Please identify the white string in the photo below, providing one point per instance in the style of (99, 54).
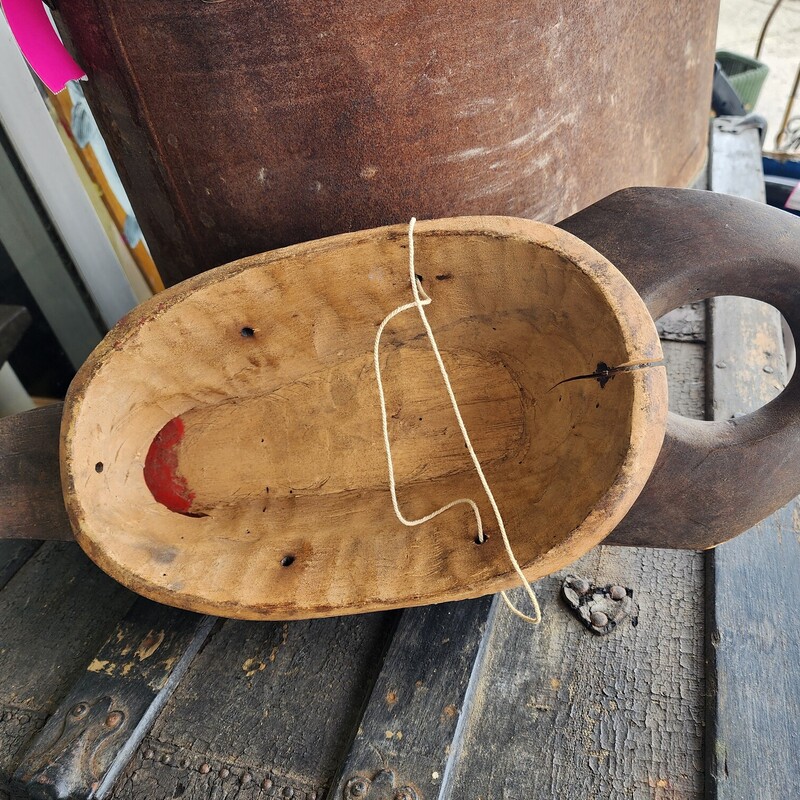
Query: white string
(419, 303)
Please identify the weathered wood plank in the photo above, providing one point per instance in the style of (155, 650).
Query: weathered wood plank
(95, 729)
(559, 712)
(752, 640)
(265, 709)
(754, 682)
(54, 615)
(404, 736)
(686, 369)
(735, 160)
(13, 554)
(31, 503)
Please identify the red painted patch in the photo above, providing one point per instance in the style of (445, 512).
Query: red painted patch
(161, 469)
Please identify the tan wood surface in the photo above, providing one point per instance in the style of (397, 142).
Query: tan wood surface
(276, 502)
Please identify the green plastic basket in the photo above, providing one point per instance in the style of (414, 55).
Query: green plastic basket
(746, 75)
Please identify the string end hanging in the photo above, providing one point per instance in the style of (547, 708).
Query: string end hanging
(421, 299)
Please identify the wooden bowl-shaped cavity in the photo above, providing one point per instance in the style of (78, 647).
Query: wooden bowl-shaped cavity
(222, 448)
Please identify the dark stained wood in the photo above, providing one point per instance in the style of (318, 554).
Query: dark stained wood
(417, 702)
(559, 712)
(13, 554)
(92, 734)
(14, 321)
(31, 503)
(265, 709)
(54, 615)
(753, 589)
(694, 245)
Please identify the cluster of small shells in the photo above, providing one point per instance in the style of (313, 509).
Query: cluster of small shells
(601, 609)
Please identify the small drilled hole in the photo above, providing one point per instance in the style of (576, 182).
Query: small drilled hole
(287, 561)
(246, 331)
(478, 539)
(98, 467)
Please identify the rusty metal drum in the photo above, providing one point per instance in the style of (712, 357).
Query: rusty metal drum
(239, 126)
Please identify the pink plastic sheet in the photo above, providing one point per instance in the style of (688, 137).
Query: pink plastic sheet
(39, 43)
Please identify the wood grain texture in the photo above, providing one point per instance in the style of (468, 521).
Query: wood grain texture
(760, 650)
(753, 679)
(31, 501)
(265, 710)
(562, 713)
(753, 730)
(54, 615)
(735, 166)
(686, 368)
(559, 712)
(191, 425)
(418, 700)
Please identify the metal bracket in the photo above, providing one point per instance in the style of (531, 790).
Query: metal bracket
(745, 123)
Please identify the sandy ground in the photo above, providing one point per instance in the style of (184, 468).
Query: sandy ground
(740, 23)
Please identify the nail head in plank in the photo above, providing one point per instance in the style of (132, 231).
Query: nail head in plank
(277, 701)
